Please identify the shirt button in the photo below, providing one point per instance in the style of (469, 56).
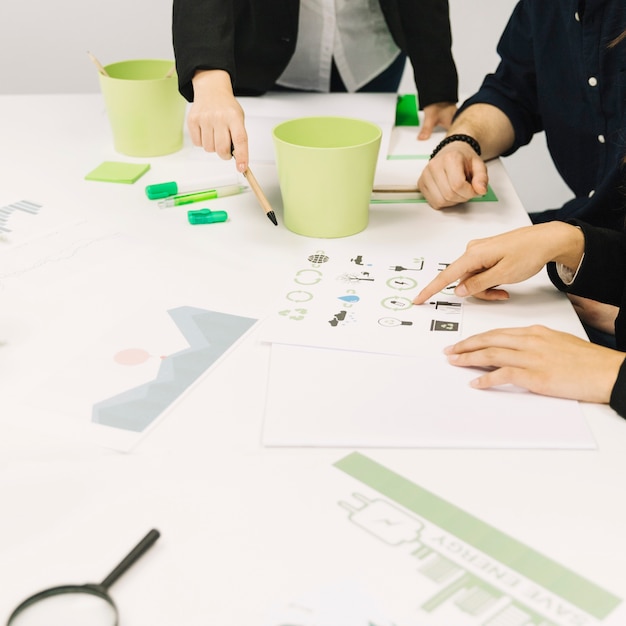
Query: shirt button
(601, 138)
(576, 16)
(590, 194)
(593, 81)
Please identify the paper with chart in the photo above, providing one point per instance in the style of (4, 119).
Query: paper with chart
(462, 570)
(355, 363)
(24, 219)
(112, 364)
(126, 381)
(406, 556)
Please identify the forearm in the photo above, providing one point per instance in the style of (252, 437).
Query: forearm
(424, 32)
(488, 125)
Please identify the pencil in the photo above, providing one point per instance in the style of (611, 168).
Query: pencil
(97, 64)
(258, 192)
(260, 196)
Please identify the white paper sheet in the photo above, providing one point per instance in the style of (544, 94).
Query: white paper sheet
(321, 397)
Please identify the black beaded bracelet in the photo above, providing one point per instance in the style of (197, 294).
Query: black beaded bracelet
(466, 138)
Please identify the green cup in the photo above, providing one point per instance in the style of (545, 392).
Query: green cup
(144, 107)
(326, 169)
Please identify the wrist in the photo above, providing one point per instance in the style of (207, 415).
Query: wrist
(468, 139)
(568, 243)
(207, 82)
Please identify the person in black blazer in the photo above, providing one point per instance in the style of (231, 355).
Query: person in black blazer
(589, 261)
(229, 48)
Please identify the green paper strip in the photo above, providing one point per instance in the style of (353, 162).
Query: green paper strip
(490, 196)
(407, 157)
(406, 111)
(552, 576)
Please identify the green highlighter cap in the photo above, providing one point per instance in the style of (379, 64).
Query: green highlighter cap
(206, 216)
(162, 190)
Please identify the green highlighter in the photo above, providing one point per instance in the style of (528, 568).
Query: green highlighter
(200, 196)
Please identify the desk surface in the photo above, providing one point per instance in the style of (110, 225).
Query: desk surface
(247, 531)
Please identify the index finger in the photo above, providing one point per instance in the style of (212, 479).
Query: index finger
(238, 138)
(453, 272)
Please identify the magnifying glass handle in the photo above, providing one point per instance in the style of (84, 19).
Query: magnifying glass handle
(134, 555)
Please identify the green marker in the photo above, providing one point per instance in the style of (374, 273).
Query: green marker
(199, 196)
(206, 216)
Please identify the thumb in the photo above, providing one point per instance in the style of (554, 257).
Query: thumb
(480, 178)
(427, 128)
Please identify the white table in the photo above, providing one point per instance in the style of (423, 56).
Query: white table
(245, 529)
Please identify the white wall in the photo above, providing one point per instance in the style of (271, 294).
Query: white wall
(44, 43)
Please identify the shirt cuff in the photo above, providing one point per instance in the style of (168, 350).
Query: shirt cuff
(567, 274)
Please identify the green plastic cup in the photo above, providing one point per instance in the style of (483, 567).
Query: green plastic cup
(145, 109)
(326, 168)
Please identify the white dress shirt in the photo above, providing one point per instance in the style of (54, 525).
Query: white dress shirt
(353, 32)
(568, 274)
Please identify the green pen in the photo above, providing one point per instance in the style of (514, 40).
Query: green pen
(199, 196)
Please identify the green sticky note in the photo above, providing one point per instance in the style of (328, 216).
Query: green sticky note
(118, 172)
(406, 111)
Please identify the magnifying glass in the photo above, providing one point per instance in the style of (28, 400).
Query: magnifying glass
(74, 605)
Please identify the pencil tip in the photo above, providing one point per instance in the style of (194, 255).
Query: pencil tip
(272, 217)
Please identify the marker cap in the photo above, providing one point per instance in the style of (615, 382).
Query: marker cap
(162, 190)
(206, 216)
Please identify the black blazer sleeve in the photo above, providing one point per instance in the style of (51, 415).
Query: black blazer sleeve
(421, 28)
(602, 274)
(252, 41)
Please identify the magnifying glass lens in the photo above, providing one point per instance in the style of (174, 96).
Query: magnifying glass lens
(67, 609)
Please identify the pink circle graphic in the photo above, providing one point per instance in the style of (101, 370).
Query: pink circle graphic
(131, 356)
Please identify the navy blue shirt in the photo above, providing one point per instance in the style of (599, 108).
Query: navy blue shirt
(559, 74)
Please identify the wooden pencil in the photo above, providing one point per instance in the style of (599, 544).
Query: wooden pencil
(97, 64)
(258, 192)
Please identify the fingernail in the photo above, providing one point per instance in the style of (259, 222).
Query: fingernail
(241, 167)
(461, 290)
(453, 358)
(448, 349)
(475, 383)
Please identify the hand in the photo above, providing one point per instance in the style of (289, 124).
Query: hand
(438, 114)
(216, 119)
(596, 314)
(544, 361)
(508, 258)
(457, 174)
